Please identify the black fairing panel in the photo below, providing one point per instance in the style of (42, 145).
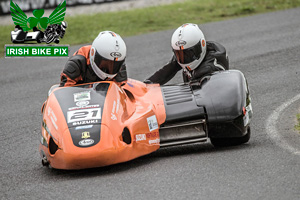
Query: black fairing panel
(223, 95)
(82, 107)
(180, 104)
(221, 99)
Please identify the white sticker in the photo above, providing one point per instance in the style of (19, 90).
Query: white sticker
(86, 142)
(140, 137)
(82, 103)
(152, 123)
(82, 96)
(156, 141)
(84, 114)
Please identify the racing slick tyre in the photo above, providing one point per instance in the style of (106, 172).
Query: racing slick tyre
(225, 142)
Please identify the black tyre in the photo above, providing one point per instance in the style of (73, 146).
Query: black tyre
(225, 142)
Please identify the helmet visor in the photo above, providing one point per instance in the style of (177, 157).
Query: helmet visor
(108, 66)
(185, 56)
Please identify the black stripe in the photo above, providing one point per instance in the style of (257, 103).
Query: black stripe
(84, 118)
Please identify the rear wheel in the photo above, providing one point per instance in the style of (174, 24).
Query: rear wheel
(224, 142)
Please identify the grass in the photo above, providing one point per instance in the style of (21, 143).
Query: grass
(83, 29)
(297, 126)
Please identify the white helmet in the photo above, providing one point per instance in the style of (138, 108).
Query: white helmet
(107, 54)
(189, 46)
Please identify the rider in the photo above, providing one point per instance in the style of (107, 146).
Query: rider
(192, 53)
(103, 60)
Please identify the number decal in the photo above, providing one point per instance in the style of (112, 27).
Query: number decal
(86, 114)
(79, 115)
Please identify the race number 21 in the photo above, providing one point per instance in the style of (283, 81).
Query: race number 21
(85, 114)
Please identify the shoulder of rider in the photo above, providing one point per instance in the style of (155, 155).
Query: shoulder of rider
(74, 65)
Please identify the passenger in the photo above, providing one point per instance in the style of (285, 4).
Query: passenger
(103, 60)
(192, 53)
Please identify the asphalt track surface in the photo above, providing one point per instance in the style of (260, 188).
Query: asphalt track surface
(265, 47)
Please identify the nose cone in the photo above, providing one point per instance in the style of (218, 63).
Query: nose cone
(86, 154)
(86, 136)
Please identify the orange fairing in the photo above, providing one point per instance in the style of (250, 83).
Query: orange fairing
(100, 124)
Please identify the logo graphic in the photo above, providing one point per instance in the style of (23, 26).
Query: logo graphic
(82, 96)
(85, 135)
(115, 54)
(86, 142)
(82, 103)
(180, 43)
(45, 29)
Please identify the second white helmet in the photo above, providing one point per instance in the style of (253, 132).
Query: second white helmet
(107, 54)
(189, 46)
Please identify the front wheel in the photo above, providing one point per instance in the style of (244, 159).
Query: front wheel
(224, 142)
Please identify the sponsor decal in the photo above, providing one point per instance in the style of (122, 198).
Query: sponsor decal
(86, 142)
(118, 105)
(53, 118)
(54, 123)
(140, 137)
(152, 123)
(83, 127)
(82, 103)
(50, 111)
(152, 134)
(85, 135)
(115, 54)
(115, 109)
(83, 115)
(84, 107)
(82, 96)
(180, 43)
(85, 122)
(156, 141)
